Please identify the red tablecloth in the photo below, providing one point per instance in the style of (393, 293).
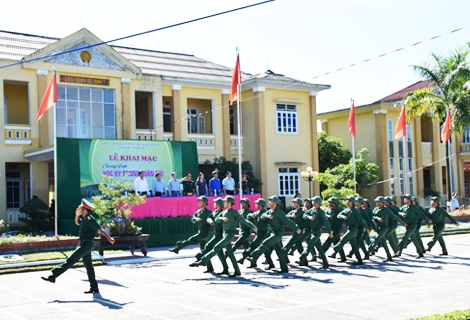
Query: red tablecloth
(173, 207)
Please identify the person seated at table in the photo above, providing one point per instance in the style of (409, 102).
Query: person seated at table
(189, 187)
(215, 187)
(174, 186)
(141, 185)
(201, 185)
(158, 186)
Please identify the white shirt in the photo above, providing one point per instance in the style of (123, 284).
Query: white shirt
(455, 204)
(141, 185)
(229, 184)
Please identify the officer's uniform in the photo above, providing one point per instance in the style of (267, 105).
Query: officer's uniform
(438, 216)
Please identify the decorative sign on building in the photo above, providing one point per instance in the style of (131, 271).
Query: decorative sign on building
(83, 80)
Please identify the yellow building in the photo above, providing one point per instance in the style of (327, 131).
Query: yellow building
(116, 92)
(425, 164)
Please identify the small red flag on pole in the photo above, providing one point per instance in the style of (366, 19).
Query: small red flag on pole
(445, 134)
(400, 131)
(49, 98)
(352, 121)
(236, 80)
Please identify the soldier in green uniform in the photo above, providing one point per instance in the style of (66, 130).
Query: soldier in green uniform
(411, 216)
(361, 231)
(88, 229)
(306, 232)
(245, 232)
(353, 219)
(217, 232)
(229, 219)
(244, 185)
(317, 219)
(262, 226)
(336, 226)
(189, 188)
(366, 206)
(199, 218)
(423, 216)
(381, 216)
(438, 217)
(391, 235)
(277, 220)
(295, 215)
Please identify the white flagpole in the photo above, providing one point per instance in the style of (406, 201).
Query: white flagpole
(405, 159)
(240, 190)
(353, 151)
(56, 231)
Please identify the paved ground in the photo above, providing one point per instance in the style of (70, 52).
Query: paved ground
(163, 287)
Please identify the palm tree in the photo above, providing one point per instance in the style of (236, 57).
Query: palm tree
(449, 89)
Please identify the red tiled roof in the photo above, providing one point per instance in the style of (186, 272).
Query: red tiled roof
(399, 95)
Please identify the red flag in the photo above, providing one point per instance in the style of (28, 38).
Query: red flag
(445, 134)
(49, 98)
(352, 122)
(236, 80)
(400, 131)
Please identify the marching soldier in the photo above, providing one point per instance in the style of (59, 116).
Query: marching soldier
(306, 232)
(88, 229)
(366, 206)
(438, 217)
(317, 219)
(295, 215)
(352, 218)
(424, 216)
(411, 216)
(391, 235)
(245, 232)
(229, 220)
(361, 232)
(277, 219)
(336, 227)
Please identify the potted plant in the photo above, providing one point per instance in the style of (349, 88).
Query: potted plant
(113, 208)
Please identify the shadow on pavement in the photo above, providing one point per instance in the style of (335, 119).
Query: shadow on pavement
(237, 280)
(97, 298)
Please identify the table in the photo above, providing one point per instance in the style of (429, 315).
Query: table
(173, 207)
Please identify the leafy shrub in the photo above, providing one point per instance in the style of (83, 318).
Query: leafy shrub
(38, 217)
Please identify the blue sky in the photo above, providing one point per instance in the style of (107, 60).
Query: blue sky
(299, 38)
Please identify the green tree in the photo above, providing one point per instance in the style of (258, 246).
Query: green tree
(38, 217)
(339, 181)
(449, 89)
(223, 165)
(331, 152)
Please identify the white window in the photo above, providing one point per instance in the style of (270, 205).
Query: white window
(196, 122)
(410, 169)
(86, 113)
(390, 130)
(392, 176)
(286, 117)
(288, 178)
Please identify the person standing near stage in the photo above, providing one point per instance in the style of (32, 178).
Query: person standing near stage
(189, 188)
(336, 227)
(317, 220)
(201, 185)
(245, 231)
(229, 219)
(141, 185)
(438, 217)
(244, 184)
(277, 220)
(215, 186)
(200, 219)
(353, 219)
(88, 229)
(455, 202)
(158, 186)
(174, 186)
(228, 184)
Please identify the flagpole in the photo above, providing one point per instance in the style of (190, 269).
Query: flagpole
(354, 155)
(450, 189)
(55, 167)
(240, 189)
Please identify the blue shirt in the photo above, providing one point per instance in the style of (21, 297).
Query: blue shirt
(173, 185)
(158, 186)
(214, 184)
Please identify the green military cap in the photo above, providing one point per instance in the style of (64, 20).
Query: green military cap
(388, 199)
(414, 198)
(334, 200)
(275, 199)
(87, 204)
(437, 199)
(381, 199)
(219, 202)
(351, 198)
(359, 199)
(392, 198)
(261, 201)
(229, 199)
(317, 199)
(245, 200)
(298, 200)
(367, 201)
(409, 196)
(308, 199)
(203, 198)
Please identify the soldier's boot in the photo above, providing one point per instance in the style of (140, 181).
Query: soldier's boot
(252, 263)
(366, 257)
(350, 254)
(223, 272)
(240, 261)
(332, 255)
(313, 259)
(269, 267)
(174, 249)
(420, 255)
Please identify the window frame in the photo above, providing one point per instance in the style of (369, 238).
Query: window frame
(292, 177)
(287, 118)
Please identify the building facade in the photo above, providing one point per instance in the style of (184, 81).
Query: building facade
(113, 92)
(415, 166)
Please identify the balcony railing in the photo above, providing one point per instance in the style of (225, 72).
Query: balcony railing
(18, 134)
(146, 134)
(234, 142)
(203, 141)
(168, 136)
